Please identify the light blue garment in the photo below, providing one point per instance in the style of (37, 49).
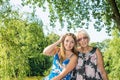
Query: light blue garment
(57, 68)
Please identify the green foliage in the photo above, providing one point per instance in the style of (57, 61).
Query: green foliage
(112, 57)
(19, 40)
(6, 10)
(101, 45)
(52, 37)
(39, 64)
(78, 13)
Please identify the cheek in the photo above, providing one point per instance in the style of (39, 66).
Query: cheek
(72, 45)
(87, 41)
(79, 42)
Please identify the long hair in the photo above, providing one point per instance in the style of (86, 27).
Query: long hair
(62, 48)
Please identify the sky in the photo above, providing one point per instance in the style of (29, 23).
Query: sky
(94, 35)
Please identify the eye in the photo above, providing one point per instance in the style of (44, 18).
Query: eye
(83, 38)
(79, 39)
(72, 42)
(67, 40)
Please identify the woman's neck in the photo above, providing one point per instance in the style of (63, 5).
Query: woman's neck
(85, 49)
(68, 53)
(67, 50)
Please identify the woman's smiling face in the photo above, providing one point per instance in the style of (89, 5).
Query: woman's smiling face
(83, 40)
(69, 43)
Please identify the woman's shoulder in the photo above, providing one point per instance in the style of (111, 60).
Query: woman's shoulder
(93, 49)
(73, 55)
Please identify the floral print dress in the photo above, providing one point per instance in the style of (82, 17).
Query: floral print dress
(86, 68)
(57, 68)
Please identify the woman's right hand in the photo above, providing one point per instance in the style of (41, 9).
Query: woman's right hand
(61, 38)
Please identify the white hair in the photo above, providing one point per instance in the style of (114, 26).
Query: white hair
(84, 32)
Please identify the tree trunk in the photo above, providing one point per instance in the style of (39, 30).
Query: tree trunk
(116, 14)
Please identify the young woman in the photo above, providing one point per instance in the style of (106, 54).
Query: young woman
(90, 64)
(65, 57)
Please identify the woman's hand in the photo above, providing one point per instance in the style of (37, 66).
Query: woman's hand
(61, 38)
(51, 49)
(56, 78)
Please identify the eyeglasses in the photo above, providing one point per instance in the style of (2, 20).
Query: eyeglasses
(83, 38)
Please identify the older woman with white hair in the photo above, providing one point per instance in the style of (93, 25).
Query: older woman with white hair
(90, 64)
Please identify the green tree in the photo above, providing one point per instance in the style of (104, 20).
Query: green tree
(52, 37)
(112, 56)
(41, 64)
(19, 40)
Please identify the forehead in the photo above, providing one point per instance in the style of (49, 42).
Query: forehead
(69, 37)
(81, 35)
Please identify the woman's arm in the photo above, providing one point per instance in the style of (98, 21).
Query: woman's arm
(101, 65)
(71, 65)
(51, 49)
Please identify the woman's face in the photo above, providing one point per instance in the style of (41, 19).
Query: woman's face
(83, 40)
(69, 43)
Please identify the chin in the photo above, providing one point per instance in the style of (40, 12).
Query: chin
(68, 49)
(84, 46)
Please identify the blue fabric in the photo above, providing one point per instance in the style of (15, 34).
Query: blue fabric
(57, 68)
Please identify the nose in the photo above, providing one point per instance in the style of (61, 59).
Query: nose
(69, 43)
(82, 39)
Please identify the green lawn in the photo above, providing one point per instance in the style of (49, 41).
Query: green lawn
(31, 78)
(34, 78)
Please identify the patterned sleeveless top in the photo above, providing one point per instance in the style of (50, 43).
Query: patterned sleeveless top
(57, 68)
(86, 68)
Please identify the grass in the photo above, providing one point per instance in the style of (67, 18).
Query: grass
(31, 78)
(34, 78)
